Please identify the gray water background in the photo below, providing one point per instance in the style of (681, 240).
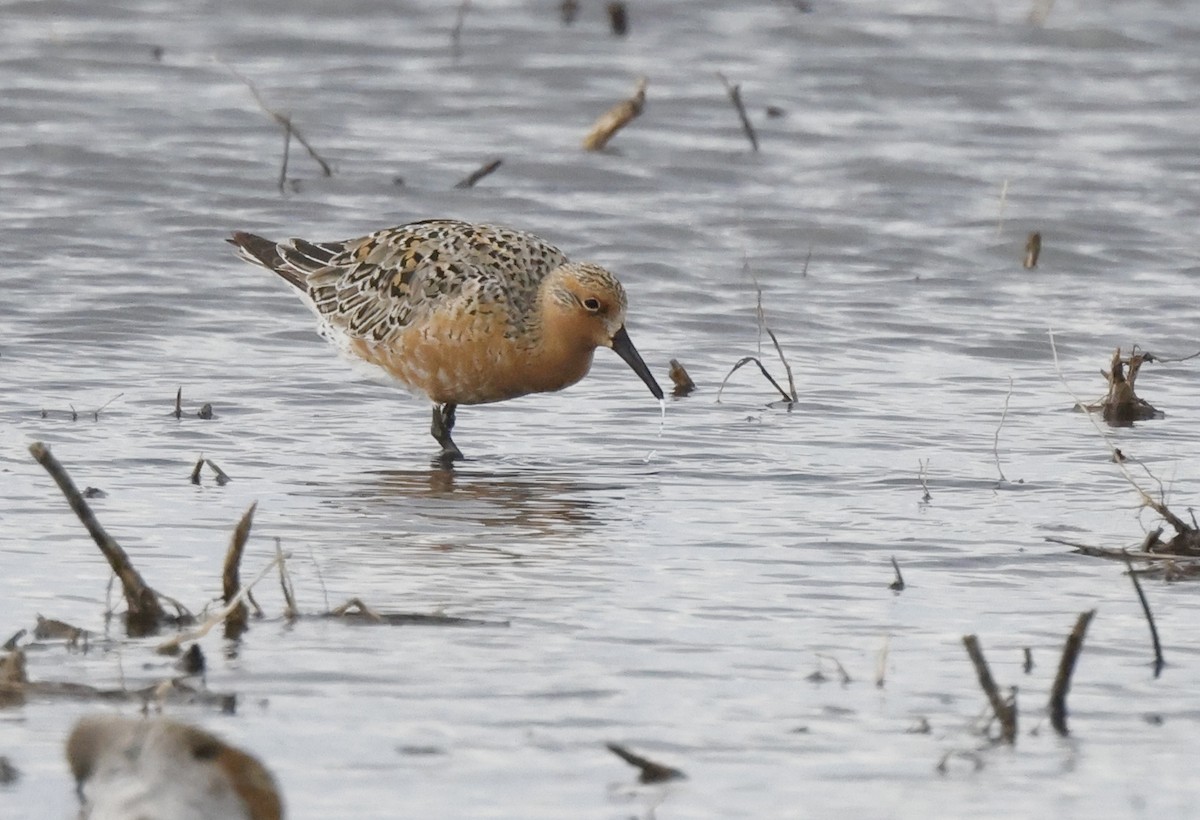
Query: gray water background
(668, 585)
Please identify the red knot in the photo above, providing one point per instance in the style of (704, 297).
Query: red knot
(463, 313)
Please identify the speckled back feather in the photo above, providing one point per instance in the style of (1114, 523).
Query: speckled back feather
(373, 287)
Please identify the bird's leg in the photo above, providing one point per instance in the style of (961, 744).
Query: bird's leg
(443, 423)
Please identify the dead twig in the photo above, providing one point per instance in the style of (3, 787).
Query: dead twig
(283, 120)
(1159, 663)
(1066, 666)
(1004, 709)
(478, 174)
(746, 360)
(923, 477)
(735, 96)
(179, 403)
(616, 118)
(144, 609)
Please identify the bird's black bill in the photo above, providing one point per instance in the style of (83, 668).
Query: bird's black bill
(625, 349)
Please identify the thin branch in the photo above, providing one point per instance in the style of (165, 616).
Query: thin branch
(770, 378)
(735, 96)
(1159, 663)
(145, 610)
(616, 118)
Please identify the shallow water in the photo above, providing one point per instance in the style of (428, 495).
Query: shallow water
(667, 586)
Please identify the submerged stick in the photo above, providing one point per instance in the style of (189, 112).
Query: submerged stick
(616, 118)
(179, 403)
(1159, 663)
(145, 610)
(478, 174)
(735, 96)
(235, 623)
(1005, 710)
(1066, 666)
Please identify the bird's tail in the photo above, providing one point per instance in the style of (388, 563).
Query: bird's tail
(259, 251)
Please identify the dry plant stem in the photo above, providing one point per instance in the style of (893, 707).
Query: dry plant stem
(1006, 712)
(923, 477)
(179, 403)
(1066, 666)
(616, 118)
(222, 477)
(173, 644)
(898, 584)
(285, 582)
(478, 174)
(651, 772)
(195, 479)
(770, 378)
(1159, 663)
(235, 624)
(735, 96)
(999, 427)
(1161, 360)
(282, 119)
(787, 367)
(145, 610)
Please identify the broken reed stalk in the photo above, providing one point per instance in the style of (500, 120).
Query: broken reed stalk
(478, 174)
(1066, 666)
(735, 96)
(1005, 710)
(179, 403)
(898, 584)
(1033, 249)
(999, 427)
(282, 119)
(1159, 663)
(235, 623)
(145, 611)
(787, 367)
(616, 118)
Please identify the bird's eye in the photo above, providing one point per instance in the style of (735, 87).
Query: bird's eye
(592, 304)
